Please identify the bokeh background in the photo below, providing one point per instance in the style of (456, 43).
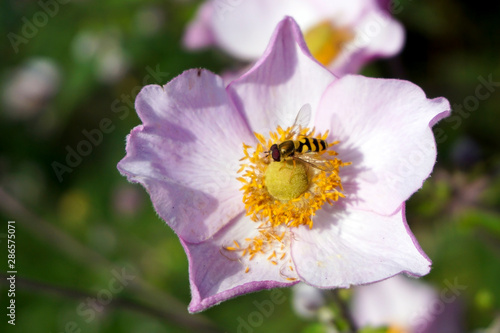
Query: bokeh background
(76, 73)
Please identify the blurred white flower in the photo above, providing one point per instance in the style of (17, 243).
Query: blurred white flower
(342, 35)
(111, 61)
(307, 300)
(405, 305)
(29, 89)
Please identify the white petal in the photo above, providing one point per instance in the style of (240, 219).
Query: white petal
(384, 128)
(282, 81)
(187, 153)
(216, 274)
(350, 247)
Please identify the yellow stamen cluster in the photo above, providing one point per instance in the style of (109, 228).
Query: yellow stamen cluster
(262, 206)
(272, 242)
(276, 216)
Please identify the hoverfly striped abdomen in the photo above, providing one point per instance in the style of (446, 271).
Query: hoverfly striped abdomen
(304, 147)
(307, 145)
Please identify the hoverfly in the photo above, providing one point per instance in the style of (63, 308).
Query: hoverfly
(304, 148)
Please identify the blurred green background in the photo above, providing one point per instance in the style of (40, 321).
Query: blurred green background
(77, 231)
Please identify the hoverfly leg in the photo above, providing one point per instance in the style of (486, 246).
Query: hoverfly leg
(291, 174)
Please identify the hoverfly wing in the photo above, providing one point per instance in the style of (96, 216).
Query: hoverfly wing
(316, 162)
(304, 116)
(301, 121)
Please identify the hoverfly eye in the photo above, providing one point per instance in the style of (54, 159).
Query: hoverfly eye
(275, 153)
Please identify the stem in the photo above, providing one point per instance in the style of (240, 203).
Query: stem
(344, 311)
(117, 302)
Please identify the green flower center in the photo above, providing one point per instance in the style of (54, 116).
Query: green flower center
(286, 180)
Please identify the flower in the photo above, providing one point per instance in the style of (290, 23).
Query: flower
(307, 300)
(406, 306)
(195, 130)
(30, 89)
(104, 51)
(342, 35)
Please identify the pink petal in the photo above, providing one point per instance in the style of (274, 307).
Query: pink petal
(377, 35)
(385, 36)
(199, 32)
(384, 128)
(281, 82)
(244, 29)
(350, 247)
(217, 275)
(187, 152)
